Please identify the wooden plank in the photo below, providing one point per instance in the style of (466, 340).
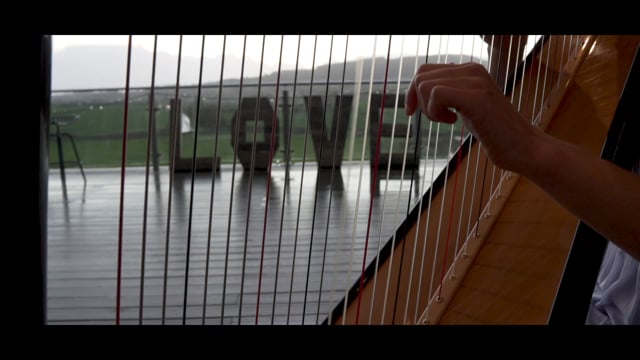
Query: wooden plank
(327, 245)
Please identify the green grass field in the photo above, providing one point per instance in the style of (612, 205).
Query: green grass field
(98, 132)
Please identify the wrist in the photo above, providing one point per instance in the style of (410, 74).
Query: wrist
(538, 155)
(532, 154)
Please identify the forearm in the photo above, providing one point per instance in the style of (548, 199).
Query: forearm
(603, 195)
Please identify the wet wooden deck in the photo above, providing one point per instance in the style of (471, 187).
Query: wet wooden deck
(282, 258)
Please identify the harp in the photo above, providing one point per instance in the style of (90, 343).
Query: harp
(329, 206)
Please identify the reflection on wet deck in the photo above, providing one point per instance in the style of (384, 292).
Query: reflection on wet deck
(281, 250)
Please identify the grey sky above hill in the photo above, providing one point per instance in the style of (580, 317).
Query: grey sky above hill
(104, 66)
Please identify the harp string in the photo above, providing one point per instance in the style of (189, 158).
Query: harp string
(233, 176)
(420, 204)
(174, 139)
(466, 178)
(442, 202)
(427, 220)
(268, 177)
(484, 171)
(150, 129)
(304, 160)
(251, 176)
(359, 186)
(397, 210)
(475, 228)
(274, 128)
(295, 243)
(333, 170)
(469, 228)
(374, 178)
(213, 180)
(504, 173)
(446, 242)
(304, 164)
(437, 296)
(506, 77)
(473, 196)
(343, 207)
(192, 190)
(315, 197)
(356, 106)
(511, 94)
(416, 159)
(504, 91)
(547, 85)
(123, 163)
(453, 199)
(535, 118)
(563, 50)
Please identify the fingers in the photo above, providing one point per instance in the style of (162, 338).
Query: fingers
(411, 98)
(432, 78)
(443, 100)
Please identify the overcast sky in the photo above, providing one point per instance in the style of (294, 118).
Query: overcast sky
(76, 70)
(359, 45)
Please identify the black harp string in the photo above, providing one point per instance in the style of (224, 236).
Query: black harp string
(304, 161)
(333, 167)
(123, 165)
(251, 175)
(274, 129)
(174, 138)
(150, 130)
(233, 177)
(214, 167)
(315, 197)
(192, 190)
(285, 190)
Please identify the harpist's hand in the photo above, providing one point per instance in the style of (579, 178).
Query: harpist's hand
(487, 113)
(602, 194)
